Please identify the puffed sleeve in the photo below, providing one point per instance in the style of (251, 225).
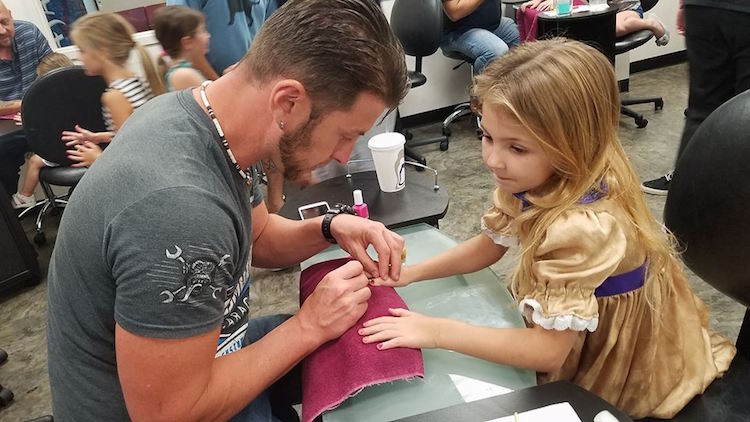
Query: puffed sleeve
(497, 222)
(580, 250)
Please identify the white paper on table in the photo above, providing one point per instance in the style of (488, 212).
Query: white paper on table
(559, 412)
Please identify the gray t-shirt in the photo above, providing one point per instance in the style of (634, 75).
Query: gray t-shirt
(156, 237)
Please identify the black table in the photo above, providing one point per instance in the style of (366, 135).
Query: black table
(586, 404)
(416, 203)
(594, 28)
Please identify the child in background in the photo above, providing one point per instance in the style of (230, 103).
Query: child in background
(105, 41)
(182, 34)
(25, 197)
(604, 296)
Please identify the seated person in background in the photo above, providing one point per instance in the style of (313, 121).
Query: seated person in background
(478, 30)
(629, 19)
(22, 47)
(181, 31)
(606, 302)
(105, 42)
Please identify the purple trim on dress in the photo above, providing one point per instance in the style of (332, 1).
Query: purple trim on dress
(589, 197)
(622, 283)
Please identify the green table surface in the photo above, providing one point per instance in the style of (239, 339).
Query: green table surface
(450, 378)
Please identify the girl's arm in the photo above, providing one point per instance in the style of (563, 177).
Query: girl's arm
(119, 107)
(467, 257)
(534, 348)
(185, 78)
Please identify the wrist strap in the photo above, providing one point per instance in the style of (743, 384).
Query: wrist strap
(325, 227)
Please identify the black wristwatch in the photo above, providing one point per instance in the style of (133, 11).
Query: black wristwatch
(325, 227)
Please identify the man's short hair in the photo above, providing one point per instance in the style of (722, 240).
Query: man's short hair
(336, 48)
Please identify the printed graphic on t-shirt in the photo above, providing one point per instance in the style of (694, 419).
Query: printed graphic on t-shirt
(203, 276)
(236, 314)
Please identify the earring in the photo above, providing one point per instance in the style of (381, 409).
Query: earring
(281, 125)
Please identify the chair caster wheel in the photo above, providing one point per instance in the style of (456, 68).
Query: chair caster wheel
(3, 355)
(641, 122)
(479, 134)
(659, 105)
(6, 396)
(446, 132)
(40, 239)
(444, 146)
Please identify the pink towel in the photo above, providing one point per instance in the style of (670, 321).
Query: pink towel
(527, 22)
(343, 367)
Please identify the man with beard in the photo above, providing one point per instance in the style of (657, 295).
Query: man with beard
(152, 261)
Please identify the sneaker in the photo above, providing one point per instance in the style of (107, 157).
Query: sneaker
(22, 201)
(658, 186)
(664, 39)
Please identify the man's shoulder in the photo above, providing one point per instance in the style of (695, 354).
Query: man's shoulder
(25, 29)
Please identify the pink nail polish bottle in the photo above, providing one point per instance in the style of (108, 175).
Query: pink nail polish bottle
(359, 205)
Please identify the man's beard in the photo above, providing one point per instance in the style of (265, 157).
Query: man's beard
(291, 147)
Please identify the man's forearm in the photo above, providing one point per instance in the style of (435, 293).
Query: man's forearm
(10, 107)
(459, 9)
(287, 242)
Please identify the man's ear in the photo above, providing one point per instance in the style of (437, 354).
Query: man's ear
(290, 103)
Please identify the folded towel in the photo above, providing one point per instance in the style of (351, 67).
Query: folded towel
(343, 367)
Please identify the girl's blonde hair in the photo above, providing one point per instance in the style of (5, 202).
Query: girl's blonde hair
(565, 94)
(51, 62)
(111, 35)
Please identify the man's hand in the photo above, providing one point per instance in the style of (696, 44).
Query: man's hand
(355, 234)
(339, 300)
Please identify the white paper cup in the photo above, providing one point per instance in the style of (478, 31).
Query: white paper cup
(388, 155)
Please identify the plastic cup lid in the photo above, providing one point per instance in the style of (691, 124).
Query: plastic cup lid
(386, 141)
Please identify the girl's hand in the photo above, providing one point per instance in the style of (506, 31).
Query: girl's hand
(78, 137)
(403, 329)
(85, 154)
(407, 277)
(540, 5)
(17, 119)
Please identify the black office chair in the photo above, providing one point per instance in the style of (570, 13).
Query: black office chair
(56, 102)
(463, 109)
(418, 24)
(707, 210)
(625, 44)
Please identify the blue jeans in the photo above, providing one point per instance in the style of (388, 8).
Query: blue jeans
(481, 45)
(276, 402)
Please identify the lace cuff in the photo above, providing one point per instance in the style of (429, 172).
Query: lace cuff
(532, 311)
(498, 238)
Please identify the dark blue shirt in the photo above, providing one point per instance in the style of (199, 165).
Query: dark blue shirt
(17, 74)
(486, 16)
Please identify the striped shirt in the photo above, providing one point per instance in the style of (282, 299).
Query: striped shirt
(134, 89)
(17, 74)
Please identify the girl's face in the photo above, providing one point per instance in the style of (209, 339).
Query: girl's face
(197, 44)
(515, 159)
(93, 64)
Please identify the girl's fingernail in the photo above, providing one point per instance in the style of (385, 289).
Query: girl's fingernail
(380, 346)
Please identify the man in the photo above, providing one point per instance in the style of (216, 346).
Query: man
(717, 38)
(152, 260)
(478, 30)
(22, 47)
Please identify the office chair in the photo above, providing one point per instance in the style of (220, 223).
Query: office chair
(56, 102)
(418, 24)
(627, 43)
(463, 109)
(706, 209)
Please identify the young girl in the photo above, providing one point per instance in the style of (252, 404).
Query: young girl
(105, 41)
(182, 34)
(605, 299)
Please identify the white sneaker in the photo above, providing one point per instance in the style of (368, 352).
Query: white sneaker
(22, 201)
(664, 39)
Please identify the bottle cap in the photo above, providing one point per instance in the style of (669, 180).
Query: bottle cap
(358, 197)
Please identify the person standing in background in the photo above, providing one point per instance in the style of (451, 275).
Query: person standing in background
(717, 37)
